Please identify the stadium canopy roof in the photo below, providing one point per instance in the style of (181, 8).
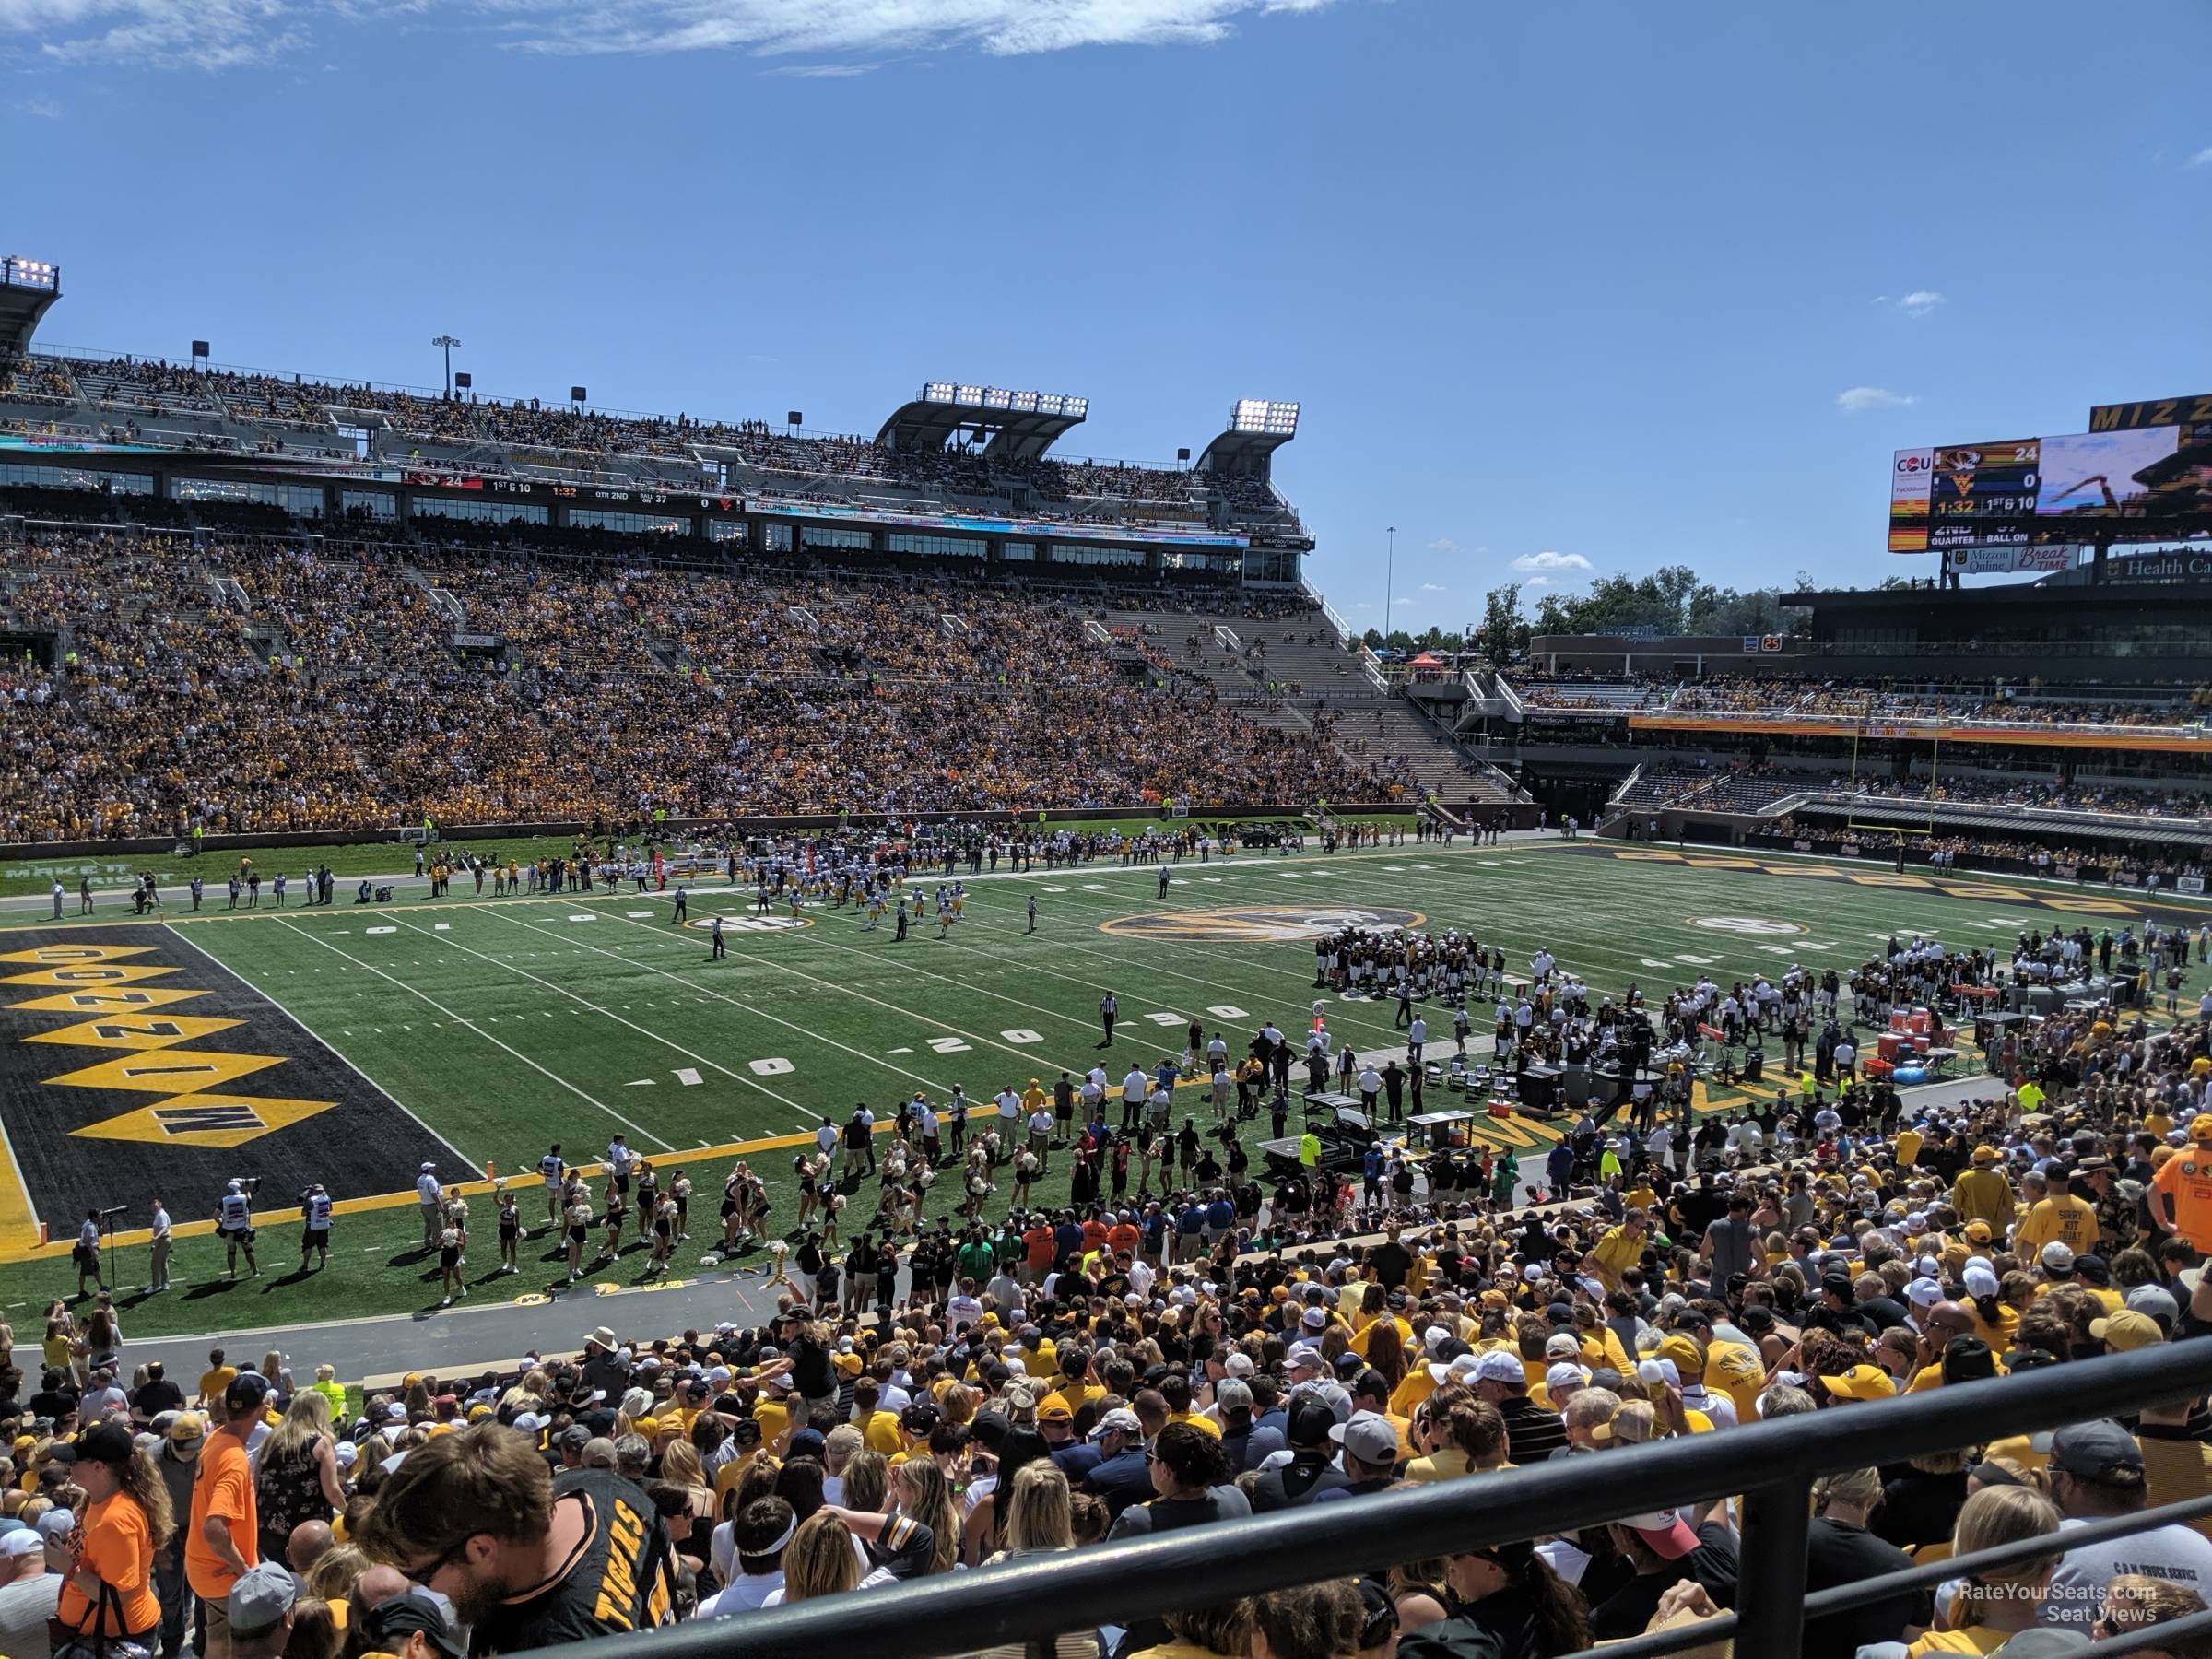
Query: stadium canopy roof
(1256, 429)
(1017, 426)
(26, 287)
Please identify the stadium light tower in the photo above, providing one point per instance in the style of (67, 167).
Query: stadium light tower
(1389, 567)
(448, 342)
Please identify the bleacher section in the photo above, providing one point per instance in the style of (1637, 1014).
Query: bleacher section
(251, 412)
(267, 685)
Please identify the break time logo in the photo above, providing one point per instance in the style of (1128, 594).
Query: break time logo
(1265, 924)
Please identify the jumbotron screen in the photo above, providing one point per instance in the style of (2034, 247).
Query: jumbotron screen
(2139, 484)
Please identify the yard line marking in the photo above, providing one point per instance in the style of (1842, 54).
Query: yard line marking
(1027, 1057)
(1211, 982)
(655, 1036)
(762, 1013)
(463, 1020)
(349, 1065)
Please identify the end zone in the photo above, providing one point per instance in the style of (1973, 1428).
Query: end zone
(144, 1067)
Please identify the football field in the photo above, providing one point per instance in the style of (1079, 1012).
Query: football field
(351, 1043)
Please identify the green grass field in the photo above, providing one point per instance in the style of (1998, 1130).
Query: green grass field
(495, 1027)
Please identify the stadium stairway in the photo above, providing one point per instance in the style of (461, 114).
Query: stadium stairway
(1361, 719)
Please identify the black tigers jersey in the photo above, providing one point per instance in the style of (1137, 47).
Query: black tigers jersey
(621, 1577)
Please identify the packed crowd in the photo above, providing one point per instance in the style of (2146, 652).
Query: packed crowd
(1753, 786)
(1111, 1372)
(1049, 487)
(336, 695)
(1809, 695)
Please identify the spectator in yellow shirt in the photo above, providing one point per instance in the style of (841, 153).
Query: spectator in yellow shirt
(1982, 1192)
(2060, 1219)
(1620, 1248)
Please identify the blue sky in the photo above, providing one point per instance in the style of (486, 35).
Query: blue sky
(1564, 289)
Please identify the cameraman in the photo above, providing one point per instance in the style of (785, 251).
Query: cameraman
(314, 1213)
(234, 1226)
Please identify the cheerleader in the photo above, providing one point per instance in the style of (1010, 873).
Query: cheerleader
(578, 1227)
(663, 1235)
(510, 1231)
(451, 1241)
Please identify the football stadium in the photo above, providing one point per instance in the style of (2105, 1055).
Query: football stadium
(823, 1036)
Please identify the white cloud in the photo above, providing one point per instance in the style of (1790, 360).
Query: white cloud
(45, 109)
(1541, 582)
(1433, 587)
(1551, 561)
(1399, 604)
(219, 34)
(1920, 302)
(1859, 399)
(1443, 544)
(822, 71)
(2202, 159)
(203, 34)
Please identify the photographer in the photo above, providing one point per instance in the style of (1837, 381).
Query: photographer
(234, 1225)
(314, 1215)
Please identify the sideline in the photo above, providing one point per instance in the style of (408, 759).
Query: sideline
(495, 1335)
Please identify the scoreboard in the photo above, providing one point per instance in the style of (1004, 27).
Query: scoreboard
(1967, 495)
(2137, 483)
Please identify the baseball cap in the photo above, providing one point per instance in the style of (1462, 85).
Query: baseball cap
(1668, 1534)
(1055, 1411)
(2158, 1302)
(2057, 1258)
(187, 1428)
(1978, 1232)
(1861, 1383)
(1985, 1155)
(1121, 1417)
(247, 1390)
(1564, 1376)
(1497, 1366)
(1688, 1358)
(1310, 1423)
(2128, 1330)
(1368, 1437)
(2098, 1451)
(417, 1608)
(1461, 1368)
(22, 1541)
(108, 1442)
(2200, 1126)
(56, 1524)
(264, 1596)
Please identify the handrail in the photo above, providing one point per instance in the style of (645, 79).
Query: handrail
(1771, 1464)
(1345, 633)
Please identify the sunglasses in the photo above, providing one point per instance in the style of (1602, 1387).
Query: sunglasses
(423, 1575)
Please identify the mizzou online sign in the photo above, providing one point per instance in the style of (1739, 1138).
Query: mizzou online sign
(1264, 925)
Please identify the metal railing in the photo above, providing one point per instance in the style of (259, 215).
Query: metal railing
(1771, 1465)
